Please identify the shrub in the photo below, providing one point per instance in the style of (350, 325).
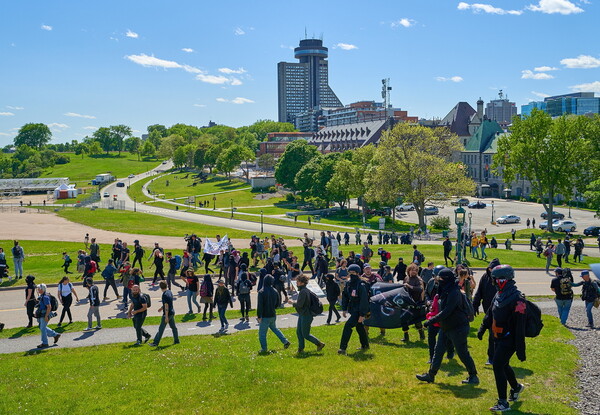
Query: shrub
(290, 197)
(440, 222)
(62, 159)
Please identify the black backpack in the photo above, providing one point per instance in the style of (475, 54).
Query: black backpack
(316, 307)
(53, 302)
(148, 300)
(533, 319)
(467, 307)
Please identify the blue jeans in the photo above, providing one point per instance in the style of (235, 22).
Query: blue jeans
(564, 306)
(195, 259)
(303, 331)
(483, 255)
(45, 331)
(191, 296)
(222, 308)
(267, 323)
(18, 267)
(126, 293)
(588, 310)
(475, 252)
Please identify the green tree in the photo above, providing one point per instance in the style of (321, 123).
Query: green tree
(592, 188)
(232, 157)
(104, 136)
(538, 147)
(266, 161)
(24, 152)
(169, 144)
(313, 177)
(147, 149)
(119, 134)
(132, 145)
(155, 138)
(295, 156)
(34, 135)
(263, 127)
(158, 128)
(416, 162)
(94, 148)
(179, 158)
(340, 185)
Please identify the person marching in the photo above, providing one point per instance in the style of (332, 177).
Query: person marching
(355, 300)
(506, 318)
(168, 316)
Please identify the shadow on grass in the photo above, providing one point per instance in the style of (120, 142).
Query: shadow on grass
(23, 332)
(306, 355)
(463, 391)
(514, 409)
(36, 351)
(402, 345)
(188, 317)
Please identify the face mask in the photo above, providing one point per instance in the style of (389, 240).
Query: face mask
(501, 284)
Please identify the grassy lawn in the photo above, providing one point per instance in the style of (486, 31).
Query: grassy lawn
(113, 378)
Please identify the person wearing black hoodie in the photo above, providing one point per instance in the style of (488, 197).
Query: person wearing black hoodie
(454, 325)
(486, 290)
(355, 300)
(207, 290)
(507, 319)
(243, 288)
(333, 292)
(267, 304)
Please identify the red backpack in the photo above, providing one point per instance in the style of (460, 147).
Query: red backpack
(93, 267)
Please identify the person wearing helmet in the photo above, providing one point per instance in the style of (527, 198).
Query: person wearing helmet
(355, 300)
(506, 318)
(431, 294)
(454, 325)
(484, 295)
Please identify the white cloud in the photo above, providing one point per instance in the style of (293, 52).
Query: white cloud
(582, 61)
(131, 34)
(589, 87)
(230, 71)
(213, 79)
(240, 100)
(57, 127)
(545, 68)
(286, 47)
(452, 79)
(239, 31)
(235, 82)
(222, 100)
(46, 27)
(90, 127)
(405, 22)
(555, 6)
(151, 61)
(188, 50)
(74, 114)
(527, 74)
(540, 94)
(199, 105)
(6, 114)
(487, 8)
(15, 108)
(5, 134)
(346, 46)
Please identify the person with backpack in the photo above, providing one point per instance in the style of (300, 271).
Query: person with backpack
(304, 307)
(18, 257)
(266, 311)
(333, 292)
(561, 285)
(418, 257)
(589, 294)
(94, 301)
(65, 296)
(95, 252)
(433, 330)
(355, 300)
(108, 273)
(415, 287)
(138, 254)
(578, 246)
(279, 283)
(168, 316)
(138, 311)
(400, 270)
(206, 296)
(507, 318)
(549, 254)
(222, 299)
(243, 288)
(484, 295)
(90, 268)
(453, 318)
(43, 315)
(66, 263)
(174, 263)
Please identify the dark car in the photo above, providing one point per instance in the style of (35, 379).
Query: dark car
(477, 205)
(592, 231)
(460, 202)
(555, 215)
(120, 184)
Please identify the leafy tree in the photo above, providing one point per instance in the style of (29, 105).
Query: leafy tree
(169, 144)
(155, 138)
(312, 179)
(340, 185)
(34, 135)
(104, 136)
(179, 158)
(147, 149)
(296, 155)
(538, 147)
(211, 155)
(158, 128)
(188, 132)
(94, 148)
(263, 127)
(24, 152)
(416, 162)
(232, 157)
(592, 181)
(266, 161)
(119, 133)
(82, 148)
(132, 145)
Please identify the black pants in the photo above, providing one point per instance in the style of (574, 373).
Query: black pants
(281, 290)
(351, 323)
(66, 266)
(308, 261)
(138, 321)
(66, 302)
(559, 260)
(244, 304)
(110, 282)
(447, 257)
(137, 259)
(171, 280)
(30, 311)
(491, 346)
(207, 258)
(503, 373)
(458, 337)
(566, 257)
(432, 337)
(332, 309)
(206, 305)
(158, 272)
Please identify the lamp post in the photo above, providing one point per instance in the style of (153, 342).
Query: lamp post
(459, 220)
(569, 203)
(261, 221)
(492, 212)
(215, 202)
(470, 216)
(135, 204)
(231, 208)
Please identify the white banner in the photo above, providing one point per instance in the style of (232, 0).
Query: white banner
(215, 248)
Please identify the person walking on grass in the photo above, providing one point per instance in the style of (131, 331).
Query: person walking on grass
(95, 252)
(65, 296)
(43, 316)
(108, 273)
(589, 294)
(94, 301)
(549, 254)
(168, 316)
(172, 261)
(158, 263)
(137, 312)
(560, 252)
(18, 257)
(243, 289)
(447, 250)
(333, 292)
(305, 317)
(484, 295)
(355, 300)
(507, 320)
(266, 311)
(191, 280)
(222, 300)
(66, 263)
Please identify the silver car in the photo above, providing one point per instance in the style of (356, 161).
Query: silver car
(508, 219)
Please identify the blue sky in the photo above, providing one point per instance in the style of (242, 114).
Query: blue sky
(78, 65)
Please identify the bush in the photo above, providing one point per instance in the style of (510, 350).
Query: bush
(62, 159)
(272, 189)
(440, 222)
(290, 197)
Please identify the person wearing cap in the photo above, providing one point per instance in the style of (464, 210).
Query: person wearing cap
(355, 300)
(94, 301)
(484, 295)
(137, 312)
(454, 325)
(400, 270)
(266, 312)
(222, 299)
(561, 285)
(43, 316)
(507, 319)
(305, 316)
(369, 276)
(589, 294)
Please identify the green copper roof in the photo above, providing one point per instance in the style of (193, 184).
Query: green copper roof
(484, 137)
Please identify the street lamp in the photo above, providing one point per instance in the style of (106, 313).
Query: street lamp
(492, 212)
(261, 221)
(569, 203)
(134, 204)
(470, 216)
(459, 220)
(215, 202)
(231, 208)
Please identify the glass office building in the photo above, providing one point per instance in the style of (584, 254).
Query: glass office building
(579, 103)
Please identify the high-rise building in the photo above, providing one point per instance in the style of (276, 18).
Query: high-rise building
(501, 110)
(304, 86)
(578, 103)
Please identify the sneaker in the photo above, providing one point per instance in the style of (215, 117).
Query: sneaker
(137, 343)
(489, 363)
(450, 356)
(2, 328)
(513, 396)
(320, 346)
(363, 348)
(105, 299)
(42, 346)
(342, 352)
(152, 344)
(501, 406)
(88, 329)
(285, 346)
(147, 338)
(176, 342)
(56, 338)
(98, 327)
(471, 380)
(226, 327)
(426, 377)
(59, 324)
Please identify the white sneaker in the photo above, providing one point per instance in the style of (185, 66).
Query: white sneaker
(88, 329)
(98, 327)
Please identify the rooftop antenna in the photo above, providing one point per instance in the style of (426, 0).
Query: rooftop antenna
(305, 34)
(386, 94)
(500, 94)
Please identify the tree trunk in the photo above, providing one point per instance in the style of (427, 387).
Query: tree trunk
(550, 211)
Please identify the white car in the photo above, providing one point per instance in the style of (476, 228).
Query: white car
(564, 226)
(106, 194)
(405, 207)
(508, 219)
(544, 224)
(131, 176)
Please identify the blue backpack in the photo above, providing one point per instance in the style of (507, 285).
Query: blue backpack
(177, 261)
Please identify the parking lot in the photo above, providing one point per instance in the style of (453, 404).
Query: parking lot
(482, 218)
